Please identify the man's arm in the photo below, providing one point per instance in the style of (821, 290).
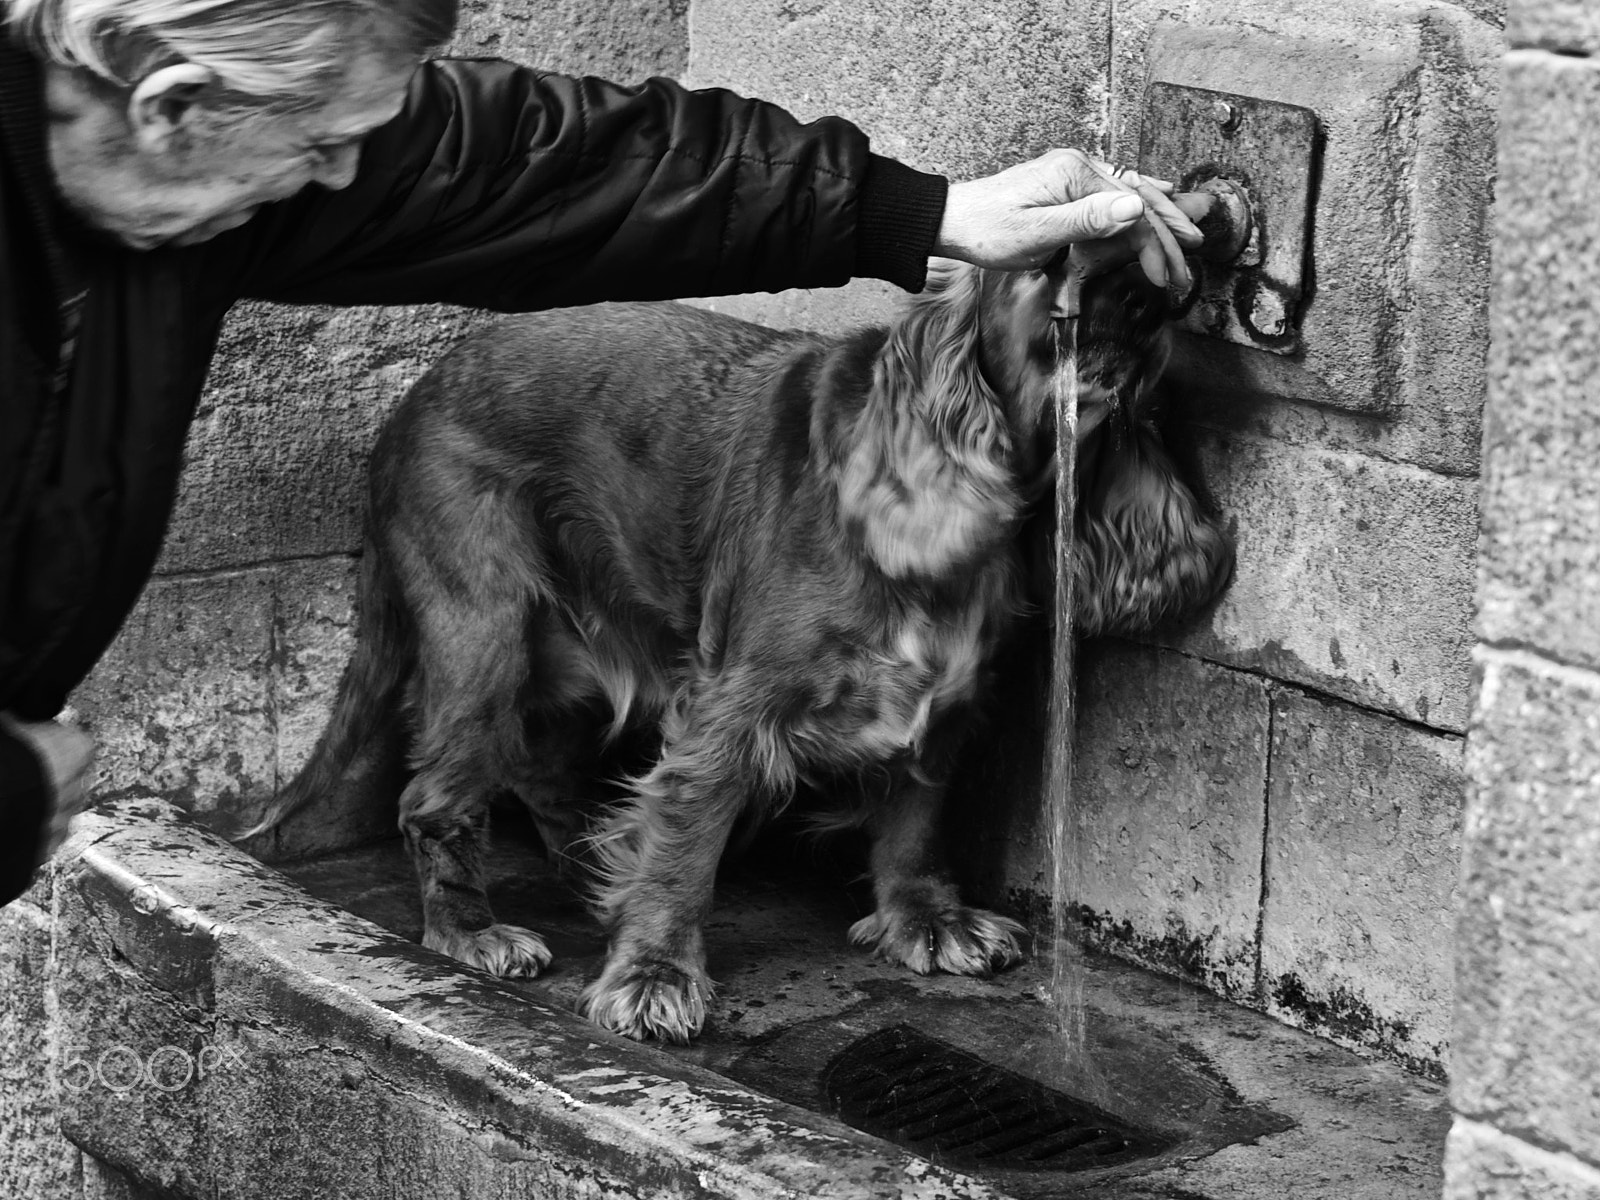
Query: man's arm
(504, 187)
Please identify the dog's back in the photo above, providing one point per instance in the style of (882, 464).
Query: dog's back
(612, 426)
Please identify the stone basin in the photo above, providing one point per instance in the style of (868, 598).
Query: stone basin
(330, 1055)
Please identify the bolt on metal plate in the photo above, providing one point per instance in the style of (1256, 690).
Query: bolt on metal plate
(1268, 150)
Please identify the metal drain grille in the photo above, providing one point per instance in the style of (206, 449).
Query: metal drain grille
(946, 1104)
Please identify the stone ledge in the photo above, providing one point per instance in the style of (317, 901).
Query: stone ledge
(261, 1019)
(35, 1160)
(1560, 26)
(224, 1034)
(1481, 1163)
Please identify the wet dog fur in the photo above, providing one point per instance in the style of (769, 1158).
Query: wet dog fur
(794, 555)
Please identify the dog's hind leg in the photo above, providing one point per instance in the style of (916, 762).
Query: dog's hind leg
(470, 745)
(920, 920)
(447, 842)
(658, 860)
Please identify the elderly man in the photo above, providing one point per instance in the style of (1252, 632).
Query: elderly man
(157, 159)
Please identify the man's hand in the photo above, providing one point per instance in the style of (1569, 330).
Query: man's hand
(1019, 218)
(67, 754)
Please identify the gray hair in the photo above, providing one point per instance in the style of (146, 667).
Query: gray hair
(268, 50)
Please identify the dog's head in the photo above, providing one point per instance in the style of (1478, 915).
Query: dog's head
(991, 338)
(967, 381)
(1121, 345)
(985, 350)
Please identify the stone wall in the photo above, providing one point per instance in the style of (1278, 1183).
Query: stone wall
(1269, 799)
(1307, 853)
(1527, 1063)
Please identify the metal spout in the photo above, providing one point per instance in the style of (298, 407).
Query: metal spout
(1218, 207)
(1221, 210)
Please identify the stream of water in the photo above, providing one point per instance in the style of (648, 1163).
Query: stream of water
(1064, 845)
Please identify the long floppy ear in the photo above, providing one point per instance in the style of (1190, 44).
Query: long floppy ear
(925, 477)
(932, 362)
(1146, 549)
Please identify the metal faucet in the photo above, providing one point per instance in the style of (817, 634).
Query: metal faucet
(1218, 207)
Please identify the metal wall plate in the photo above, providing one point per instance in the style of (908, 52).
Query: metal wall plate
(1268, 149)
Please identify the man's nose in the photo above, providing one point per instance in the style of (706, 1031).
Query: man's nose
(337, 167)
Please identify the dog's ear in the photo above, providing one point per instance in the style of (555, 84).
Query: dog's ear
(1147, 550)
(931, 363)
(924, 474)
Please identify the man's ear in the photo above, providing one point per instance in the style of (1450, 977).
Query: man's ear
(163, 101)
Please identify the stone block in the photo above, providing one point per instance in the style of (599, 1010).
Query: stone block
(314, 638)
(1396, 323)
(948, 86)
(1563, 26)
(1528, 943)
(181, 706)
(1167, 815)
(36, 1161)
(313, 634)
(1491, 11)
(130, 1054)
(104, 1182)
(1541, 522)
(277, 453)
(625, 41)
(1362, 859)
(216, 692)
(958, 88)
(1481, 1163)
(1354, 576)
(831, 311)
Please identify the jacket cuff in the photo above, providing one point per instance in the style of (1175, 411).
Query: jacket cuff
(25, 802)
(900, 213)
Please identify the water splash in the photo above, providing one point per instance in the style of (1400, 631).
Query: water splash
(1064, 846)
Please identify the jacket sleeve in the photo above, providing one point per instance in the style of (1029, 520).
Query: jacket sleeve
(24, 807)
(508, 188)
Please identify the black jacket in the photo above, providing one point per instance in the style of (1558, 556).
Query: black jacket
(497, 187)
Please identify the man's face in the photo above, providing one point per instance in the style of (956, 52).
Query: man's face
(187, 182)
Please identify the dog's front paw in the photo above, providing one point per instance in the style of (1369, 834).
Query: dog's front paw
(505, 950)
(951, 938)
(648, 999)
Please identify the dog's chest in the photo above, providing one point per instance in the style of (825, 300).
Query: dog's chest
(924, 666)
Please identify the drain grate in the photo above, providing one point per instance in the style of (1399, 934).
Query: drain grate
(946, 1104)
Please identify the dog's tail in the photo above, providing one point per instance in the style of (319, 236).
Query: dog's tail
(368, 694)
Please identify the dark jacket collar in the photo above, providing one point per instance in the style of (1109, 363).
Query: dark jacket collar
(22, 110)
(27, 169)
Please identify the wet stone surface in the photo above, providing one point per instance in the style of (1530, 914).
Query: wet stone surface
(1238, 1104)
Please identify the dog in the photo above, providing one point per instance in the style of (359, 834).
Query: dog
(794, 555)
